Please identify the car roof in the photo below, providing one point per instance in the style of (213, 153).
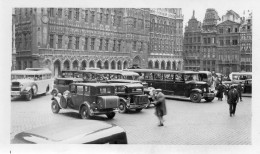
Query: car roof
(159, 71)
(31, 71)
(74, 131)
(93, 84)
(124, 81)
(128, 84)
(72, 79)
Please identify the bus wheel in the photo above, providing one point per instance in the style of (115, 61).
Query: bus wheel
(28, 97)
(208, 99)
(195, 97)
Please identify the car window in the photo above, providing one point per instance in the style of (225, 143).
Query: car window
(148, 76)
(104, 90)
(73, 89)
(120, 89)
(87, 91)
(80, 90)
(134, 90)
(168, 77)
(158, 76)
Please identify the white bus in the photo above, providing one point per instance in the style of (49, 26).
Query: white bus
(30, 82)
(237, 77)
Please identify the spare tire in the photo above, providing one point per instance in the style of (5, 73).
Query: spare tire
(63, 102)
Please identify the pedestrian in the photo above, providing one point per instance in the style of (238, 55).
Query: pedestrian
(160, 108)
(239, 90)
(232, 100)
(220, 92)
(226, 89)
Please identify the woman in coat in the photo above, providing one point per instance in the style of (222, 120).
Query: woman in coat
(160, 107)
(220, 92)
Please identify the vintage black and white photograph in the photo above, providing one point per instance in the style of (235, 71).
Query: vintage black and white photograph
(150, 75)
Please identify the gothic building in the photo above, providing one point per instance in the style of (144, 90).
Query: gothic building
(78, 38)
(192, 44)
(166, 37)
(225, 45)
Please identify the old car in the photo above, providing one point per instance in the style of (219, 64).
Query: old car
(131, 96)
(30, 82)
(62, 84)
(89, 99)
(248, 86)
(73, 132)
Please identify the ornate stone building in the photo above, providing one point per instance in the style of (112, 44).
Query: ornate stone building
(229, 43)
(209, 43)
(192, 44)
(225, 47)
(246, 43)
(109, 38)
(166, 39)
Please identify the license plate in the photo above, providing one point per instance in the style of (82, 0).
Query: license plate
(15, 93)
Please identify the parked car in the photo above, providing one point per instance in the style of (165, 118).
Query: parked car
(30, 82)
(89, 99)
(73, 132)
(131, 96)
(248, 86)
(62, 84)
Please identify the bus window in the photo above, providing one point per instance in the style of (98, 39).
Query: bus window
(148, 76)
(179, 78)
(29, 76)
(168, 77)
(158, 76)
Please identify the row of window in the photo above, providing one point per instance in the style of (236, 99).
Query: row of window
(228, 42)
(23, 41)
(193, 40)
(103, 43)
(89, 16)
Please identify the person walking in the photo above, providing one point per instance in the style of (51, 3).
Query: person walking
(221, 90)
(226, 89)
(160, 107)
(232, 100)
(239, 90)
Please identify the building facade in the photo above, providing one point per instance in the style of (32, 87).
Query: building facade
(13, 67)
(166, 39)
(192, 44)
(77, 38)
(226, 45)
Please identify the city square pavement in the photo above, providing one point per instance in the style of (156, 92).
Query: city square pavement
(186, 123)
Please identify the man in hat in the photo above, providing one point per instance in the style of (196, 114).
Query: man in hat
(232, 100)
(160, 107)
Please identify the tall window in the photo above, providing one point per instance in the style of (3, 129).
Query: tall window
(92, 16)
(119, 21)
(134, 45)
(100, 44)
(114, 20)
(141, 49)
(221, 42)
(101, 18)
(106, 46)
(51, 40)
(59, 41)
(70, 14)
(119, 45)
(77, 42)
(114, 46)
(51, 13)
(70, 42)
(59, 13)
(227, 41)
(77, 14)
(86, 44)
(134, 23)
(92, 43)
(107, 17)
(25, 42)
(86, 15)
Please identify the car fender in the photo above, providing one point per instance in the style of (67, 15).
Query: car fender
(84, 104)
(196, 90)
(57, 99)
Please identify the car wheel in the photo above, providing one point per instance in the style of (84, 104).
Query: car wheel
(122, 107)
(111, 115)
(138, 110)
(28, 97)
(209, 99)
(85, 113)
(55, 107)
(195, 97)
(54, 92)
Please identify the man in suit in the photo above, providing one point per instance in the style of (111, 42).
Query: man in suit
(232, 100)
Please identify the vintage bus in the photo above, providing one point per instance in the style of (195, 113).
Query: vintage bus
(237, 77)
(30, 82)
(177, 84)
